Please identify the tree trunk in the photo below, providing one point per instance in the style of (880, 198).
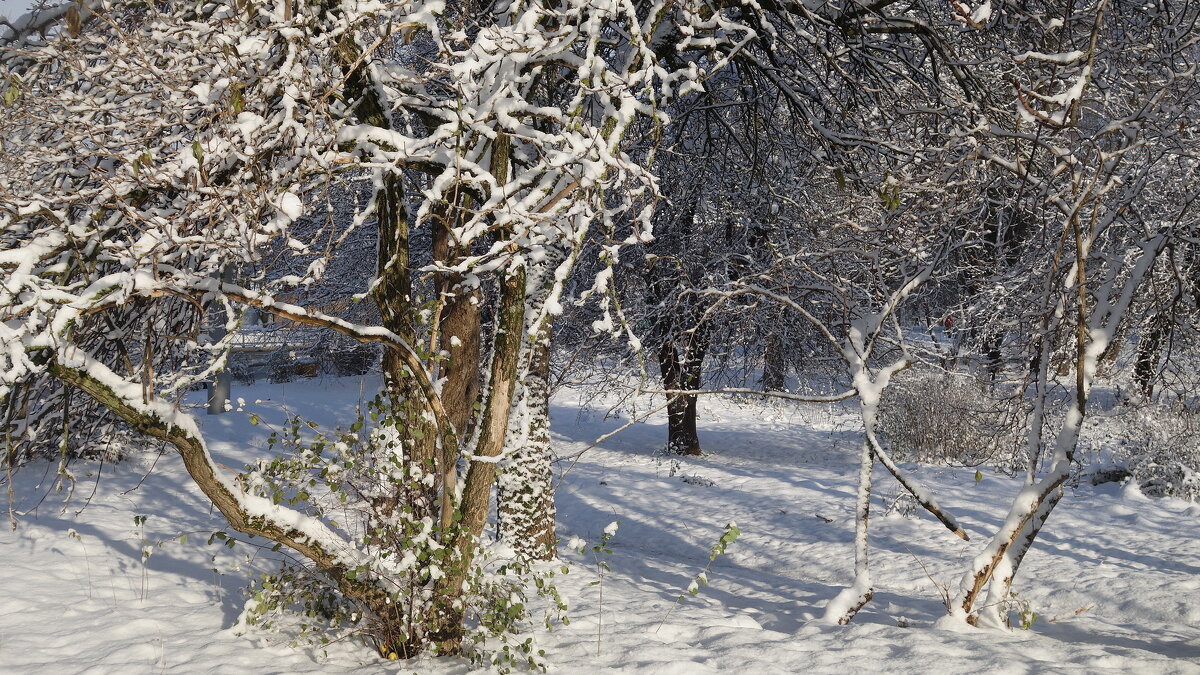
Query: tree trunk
(681, 374)
(491, 436)
(525, 491)
(842, 608)
(1149, 352)
(774, 368)
(392, 294)
(458, 327)
(995, 567)
(457, 336)
(477, 487)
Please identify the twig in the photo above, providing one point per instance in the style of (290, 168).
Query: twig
(754, 392)
(609, 435)
(941, 589)
(1077, 612)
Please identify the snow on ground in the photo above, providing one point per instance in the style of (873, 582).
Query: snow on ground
(1114, 578)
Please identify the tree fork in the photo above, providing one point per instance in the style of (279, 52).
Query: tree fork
(493, 423)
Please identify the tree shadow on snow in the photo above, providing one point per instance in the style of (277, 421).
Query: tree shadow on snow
(1116, 644)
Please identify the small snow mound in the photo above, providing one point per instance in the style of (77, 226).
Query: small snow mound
(1132, 492)
(740, 621)
(952, 624)
(669, 633)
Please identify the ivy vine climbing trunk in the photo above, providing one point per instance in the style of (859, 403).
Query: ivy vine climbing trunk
(525, 489)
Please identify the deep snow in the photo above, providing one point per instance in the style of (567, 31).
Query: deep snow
(1114, 577)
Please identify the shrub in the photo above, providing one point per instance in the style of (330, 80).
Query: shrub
(1158, 445)
(342, 356)
(946, 418)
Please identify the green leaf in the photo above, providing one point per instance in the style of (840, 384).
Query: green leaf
(236, 101)
(198, 151)
(978, 475)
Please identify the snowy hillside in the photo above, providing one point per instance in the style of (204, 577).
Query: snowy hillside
(1114, 579)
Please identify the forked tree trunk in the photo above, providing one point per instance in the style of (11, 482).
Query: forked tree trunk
(491, 435)
(869, 390)
(477, 486)
(855, 349)
(392, 293)
(995, 567)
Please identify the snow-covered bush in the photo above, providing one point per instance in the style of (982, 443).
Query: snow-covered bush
(1158, 445)
(342, 356)
(945, 418)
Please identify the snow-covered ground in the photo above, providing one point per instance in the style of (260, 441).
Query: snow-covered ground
(1114, 578)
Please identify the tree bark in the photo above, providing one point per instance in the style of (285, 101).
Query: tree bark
(459, 339)
(492, 433)
(481, 474)
(459, 328)
(525, 490)
(1149, 352)
(681, 374)
(774, 368)
(392, 294)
